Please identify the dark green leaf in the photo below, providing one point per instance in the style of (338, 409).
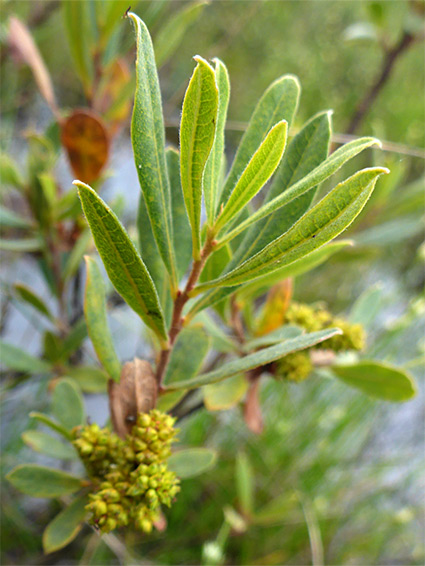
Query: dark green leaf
(26, 294)
(148, 138)
(257, 359)
(187, 355)
(123, 264)
(68, 404)
(39, 481)
(65, 526)
(192, 462)
(97, 320)
(377, 380)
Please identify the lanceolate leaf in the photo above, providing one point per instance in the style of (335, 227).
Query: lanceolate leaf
(286, 332)
(279, 102)
(48, 445)
(197, 132)
(123, 264)
(97, 320)
(26, 294)
(256, 174)
(48, 421)
(312, 179)
(321, 224)
(9, 219)
(39, 481)
(181, 226)
(257, 359)
(188, 353)
(65, 526)
(378, 380)
(16, 359)
(77, 25)
(148, 138)
(214, 164)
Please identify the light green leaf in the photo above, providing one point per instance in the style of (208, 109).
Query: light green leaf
(181, 227)
(278, 510)
(262, 284)
(245, 484)
(377, 380)
(90, 379)
(367, 306)
(123, 264)
(197, 130)
(257, 359)
(23, 245)
(226, 394)
(279, 102)
(191, 462)
(9, 172)
(18, 360)
(169, 400)
(256, 174)
(75, 257)
(48, 445)
(173, 30)
(39, 481)
(286, 332)
(148, 139)
(68, 404)
(77, 25)
(213, 168)
(48, 421)
(188, 353)
(113, 11)
(221, 341)
(333, 214)
(97, 320)
(26, 294)
(305, 184)
(65, 526)
(9, 219)
(216, 263)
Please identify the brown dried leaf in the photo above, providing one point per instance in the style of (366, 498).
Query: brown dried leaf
(273, 313)
(86, 141)
(25, 49)
(135, 393)
(111, 98)
(252, 409)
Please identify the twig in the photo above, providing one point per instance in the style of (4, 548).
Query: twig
(391, 56)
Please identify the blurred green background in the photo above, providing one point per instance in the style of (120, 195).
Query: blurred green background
(336, 477)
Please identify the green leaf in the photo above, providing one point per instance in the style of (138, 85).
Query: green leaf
(262, 284)
(48, 445)
(9, 172)
(319, 174)
(123, 264)
(278, 510)
(333, 214)
(286, 332)
(26, 294)
(90, 379)
(73, 262)
(256, 174)
(16, 359)
(97, 320)
(181, 226)
(279, 102)
(148, 139)
(191, 462)
(77, 26)
(226, 394)
(39, 481)
(367, 306)
(216, 263)
(113, 11)
(169, 400)
(76, 336)
(173, 30)
(10, 219)
(65, 526)
(213, 168)
(48, 421)
(188, 353)
(23, 245)
(245, 484)
(377, 380)
(257, 359)
(221, 341)
(197, 130)
(68, 404)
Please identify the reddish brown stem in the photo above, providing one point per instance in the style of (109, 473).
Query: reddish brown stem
(179, 303)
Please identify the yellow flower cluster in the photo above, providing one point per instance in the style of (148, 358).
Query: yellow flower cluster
(130, 476)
